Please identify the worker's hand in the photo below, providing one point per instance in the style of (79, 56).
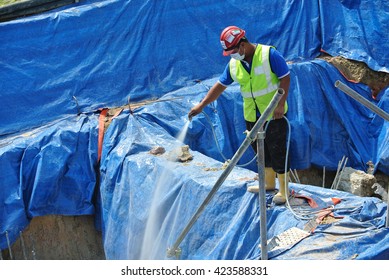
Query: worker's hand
(195, 111)
(279, 112)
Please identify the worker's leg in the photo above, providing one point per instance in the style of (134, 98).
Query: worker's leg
(276, 136)
(270, 181)
(280, 197)
(249, 127)
(270, 174)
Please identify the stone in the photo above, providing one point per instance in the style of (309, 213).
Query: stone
(357, 182)
(180, 154)
(157, 150)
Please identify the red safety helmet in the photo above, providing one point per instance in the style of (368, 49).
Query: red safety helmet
(230, 38)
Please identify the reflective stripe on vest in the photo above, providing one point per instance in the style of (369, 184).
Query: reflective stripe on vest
(260, 84)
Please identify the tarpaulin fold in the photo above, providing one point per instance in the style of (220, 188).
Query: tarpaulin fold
(48, 171)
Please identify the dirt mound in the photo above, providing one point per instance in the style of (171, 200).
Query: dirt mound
(359, 72)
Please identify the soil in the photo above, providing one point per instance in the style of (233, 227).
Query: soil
(359, 72)
(58, 238)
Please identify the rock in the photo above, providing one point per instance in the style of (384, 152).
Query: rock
(370, 169)
(378, 189)
(157, 150)
(357, 182)
(185, 155)
(180, 154)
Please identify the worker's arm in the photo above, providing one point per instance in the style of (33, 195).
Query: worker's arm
(280, 109)
(211, 96)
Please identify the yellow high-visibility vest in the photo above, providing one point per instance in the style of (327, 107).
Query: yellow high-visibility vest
(257, 87)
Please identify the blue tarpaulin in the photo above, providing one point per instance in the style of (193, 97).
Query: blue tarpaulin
(356, 30)
(49, 170)
(148, 199)
(59, 68)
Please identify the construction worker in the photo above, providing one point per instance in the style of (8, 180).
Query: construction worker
(260, 70)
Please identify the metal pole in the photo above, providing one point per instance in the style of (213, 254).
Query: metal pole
(262, 192)
(23, 245)
(373, 108)
(362, 100)
(387, 212)
(9, 245)
(171, 252)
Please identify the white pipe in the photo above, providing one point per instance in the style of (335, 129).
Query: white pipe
(387, 210)
(262, 192)
(362, 100)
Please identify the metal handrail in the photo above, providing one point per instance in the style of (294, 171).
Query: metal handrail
(352, 93)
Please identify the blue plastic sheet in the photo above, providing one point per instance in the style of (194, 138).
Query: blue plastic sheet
(356, 29)
(48, 171)
(142, 50)
(70, 148)
(327, 124)
(104, 63)
(137, 50)
(148, 200)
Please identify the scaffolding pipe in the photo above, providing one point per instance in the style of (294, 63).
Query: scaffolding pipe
(373, 108)
(23, 245)
(251, 136)
(262, 191)
(387, 210)
(9, 245)
(362, 100)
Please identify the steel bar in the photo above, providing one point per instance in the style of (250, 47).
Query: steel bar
(362, 100)
(23, 245)
(9, 245)
(262, 192)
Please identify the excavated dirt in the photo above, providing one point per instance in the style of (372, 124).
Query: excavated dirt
(359, 72)
(58, 238)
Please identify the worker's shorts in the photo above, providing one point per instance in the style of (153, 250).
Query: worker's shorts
(275, 144)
